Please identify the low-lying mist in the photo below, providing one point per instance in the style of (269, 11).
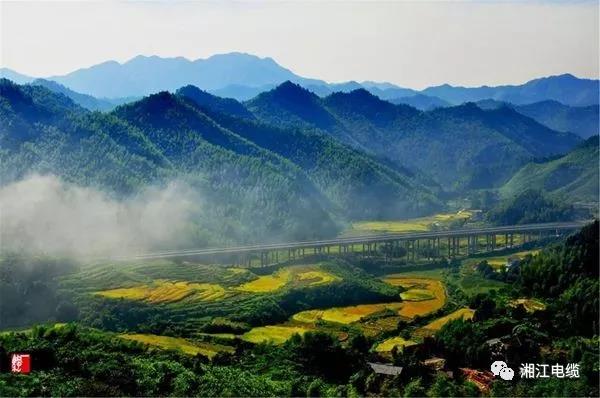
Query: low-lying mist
(44, 214)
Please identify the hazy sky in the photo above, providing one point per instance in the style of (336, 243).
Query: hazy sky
(413, 44)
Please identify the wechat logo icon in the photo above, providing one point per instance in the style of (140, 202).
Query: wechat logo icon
(500, 368)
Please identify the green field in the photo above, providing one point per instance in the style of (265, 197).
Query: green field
(437, 221)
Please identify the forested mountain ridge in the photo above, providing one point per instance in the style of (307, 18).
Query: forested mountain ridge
(84, 100)
(581, 120)
(460, 147)
(574, 175)
(258, 181)
(110, 153)
(347, 176)
(564, 88)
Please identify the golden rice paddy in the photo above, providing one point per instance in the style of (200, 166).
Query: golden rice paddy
(164, 291)
(433, 287)
(268, 283)
(303, 275)
(344, 315)
(276, 334)
(434, 326)
(428, 295)
(389, 344)
(317, 277)
(178, 344)
(417, 295)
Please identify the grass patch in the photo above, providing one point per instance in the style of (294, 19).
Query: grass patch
(272, 334)
(178, 344)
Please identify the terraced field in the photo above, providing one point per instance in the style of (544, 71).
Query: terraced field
(276, 334)
(137, 284)
(268, 283)
(345, 315)
(420, 288)
(163, 291)
(434, 326)
(179, 344)
(296, 276)
(423, 297)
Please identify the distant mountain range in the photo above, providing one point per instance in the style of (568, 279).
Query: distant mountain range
(243, 76)
(581, 120)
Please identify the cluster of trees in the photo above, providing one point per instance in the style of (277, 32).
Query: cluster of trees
(29, 291)
(75, 361)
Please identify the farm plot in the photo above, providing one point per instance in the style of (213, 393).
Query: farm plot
(267, 283)
(418, 289)
(389, 344)
(499, 262)
(422, 297)
(295, 275)
(434, 326)
(178, 344)
(164, 291)
(276, 334)
(421, 224)
(345, 315)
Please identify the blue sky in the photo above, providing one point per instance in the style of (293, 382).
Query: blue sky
(410, 43)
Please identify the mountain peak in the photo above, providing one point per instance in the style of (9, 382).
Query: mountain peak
(292, 91)
(213, 103)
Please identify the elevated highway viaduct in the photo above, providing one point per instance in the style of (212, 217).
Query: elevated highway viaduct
(412, 246)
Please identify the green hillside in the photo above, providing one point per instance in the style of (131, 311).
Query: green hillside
(574, 175)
